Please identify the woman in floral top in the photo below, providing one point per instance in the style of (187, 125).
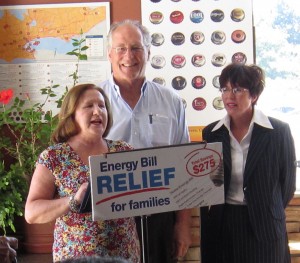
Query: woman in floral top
(62, 169)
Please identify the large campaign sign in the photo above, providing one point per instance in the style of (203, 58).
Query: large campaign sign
(155, 180)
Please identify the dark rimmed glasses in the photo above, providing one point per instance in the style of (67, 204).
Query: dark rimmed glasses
(235, 91)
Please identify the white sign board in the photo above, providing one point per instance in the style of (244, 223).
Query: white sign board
(155, 180)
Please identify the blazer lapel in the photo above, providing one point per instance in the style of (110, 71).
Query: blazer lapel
(258, 142)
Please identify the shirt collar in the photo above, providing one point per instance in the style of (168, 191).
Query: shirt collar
(261, 119)
(117, 88)
(258, 117)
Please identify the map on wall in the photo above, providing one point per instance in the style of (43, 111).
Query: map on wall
(35, 39)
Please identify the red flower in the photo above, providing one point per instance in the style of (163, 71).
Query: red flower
(6, 95)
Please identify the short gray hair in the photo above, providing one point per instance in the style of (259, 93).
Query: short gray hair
(134, 23)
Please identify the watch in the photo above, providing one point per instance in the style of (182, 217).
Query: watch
(74, 206)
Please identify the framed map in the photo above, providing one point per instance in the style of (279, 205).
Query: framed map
(35, 40)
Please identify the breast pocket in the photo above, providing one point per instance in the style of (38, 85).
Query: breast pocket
(160, 127)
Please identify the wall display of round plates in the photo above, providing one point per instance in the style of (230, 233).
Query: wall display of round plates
(192, 41)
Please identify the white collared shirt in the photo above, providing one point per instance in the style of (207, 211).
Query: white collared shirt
(239, 152)
(157, 119)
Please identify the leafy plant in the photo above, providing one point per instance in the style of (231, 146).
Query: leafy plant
(12, 188)
(77, 52)
(26, 129)
(79, 47)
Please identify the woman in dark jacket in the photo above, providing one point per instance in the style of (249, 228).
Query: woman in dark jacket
(259, 176)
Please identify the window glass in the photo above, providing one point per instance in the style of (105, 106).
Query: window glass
(277, 38)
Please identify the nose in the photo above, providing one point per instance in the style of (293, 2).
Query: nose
(231, 93)
(96, 110)
(129, 52)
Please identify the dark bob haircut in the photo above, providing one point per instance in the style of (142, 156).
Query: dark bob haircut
(250, 77)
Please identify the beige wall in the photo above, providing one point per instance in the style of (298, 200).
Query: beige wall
(120, 9)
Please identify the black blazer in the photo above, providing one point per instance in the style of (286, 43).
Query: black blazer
(269, 179)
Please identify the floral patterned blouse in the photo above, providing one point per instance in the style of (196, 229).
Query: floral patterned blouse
(75, 234)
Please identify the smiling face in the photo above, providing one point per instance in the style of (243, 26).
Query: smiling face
(129, 66)
(91, 114)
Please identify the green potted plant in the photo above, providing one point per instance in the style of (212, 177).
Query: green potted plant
(11, 199)
(25, 131)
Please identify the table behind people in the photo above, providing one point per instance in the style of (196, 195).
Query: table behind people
(146, 115)
(62, 169)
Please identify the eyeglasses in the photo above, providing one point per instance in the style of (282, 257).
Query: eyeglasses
(123, 50)
(235, 91)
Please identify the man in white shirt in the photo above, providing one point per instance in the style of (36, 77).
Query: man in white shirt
(146, 114)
